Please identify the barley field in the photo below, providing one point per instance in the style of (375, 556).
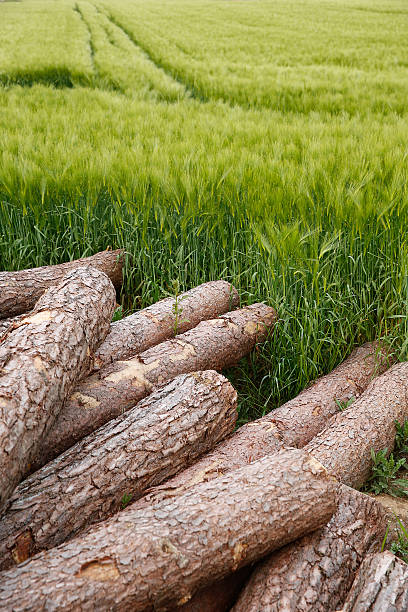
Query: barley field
(260, 141)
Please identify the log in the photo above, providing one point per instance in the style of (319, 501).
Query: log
(269, 434)
(212, 345)
(161, 435)
(154, 324)
(344, 446)
(158, 557)
(380, 585)
(41, 360)
(20, 290)
(301, 419)
(4, 325)
(315, 573)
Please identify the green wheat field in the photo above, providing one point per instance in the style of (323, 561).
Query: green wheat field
(260, 141)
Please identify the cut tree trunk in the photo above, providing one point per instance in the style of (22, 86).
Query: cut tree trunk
(214, 344)
(161, 435)
(380, 585)
(158, 557)
(161, 321)
(344, 446)
(300, 419)
(267, 436)
(41, 360)
(315, 573)
(154, 324)
(20, 290)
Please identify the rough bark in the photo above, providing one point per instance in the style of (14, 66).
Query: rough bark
(268, 435)
(214, 344)
(158, 557)
(5, 324)
(154, 324)
(20, 290)
(161, 435)
(220, 596)
(315, 573)
(344, 446)
(41, 360)
(159, 322)
(380, 585)
(300, 419)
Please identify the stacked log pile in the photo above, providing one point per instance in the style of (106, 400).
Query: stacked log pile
(142, 497)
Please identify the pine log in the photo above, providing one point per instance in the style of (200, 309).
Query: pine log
(315, 573)
(344, 446)
(380, 585)
(212, 345)
(4, 325)
(299, 420)
(41, 360)
(268, 435)
(161, 435)
(157, 558)
(154, 324)
(20, 290)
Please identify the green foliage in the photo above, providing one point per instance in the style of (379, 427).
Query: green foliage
(400, 546)
(118, 314)
(384, 477)
(264, 143)
(126, 499)
(344, 405)
(177, 308)
(401, 438)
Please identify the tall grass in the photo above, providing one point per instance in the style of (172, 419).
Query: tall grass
(184, 149)
(302, 56)
(43, 41)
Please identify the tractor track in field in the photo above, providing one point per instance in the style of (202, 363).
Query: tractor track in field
(192, 92)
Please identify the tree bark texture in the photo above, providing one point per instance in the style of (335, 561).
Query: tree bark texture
(269, 434)
(380, 585)
(220, 596)
(157, 558)
(315, 573)
(214, 344)
(161, 435)
(344, 446)
(300, 419)
(161, 321)
(20, 290)
(164, 319)
(41, 360)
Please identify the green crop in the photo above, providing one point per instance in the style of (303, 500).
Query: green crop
(262, 142)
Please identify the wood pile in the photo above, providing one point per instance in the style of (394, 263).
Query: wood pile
(123, 485)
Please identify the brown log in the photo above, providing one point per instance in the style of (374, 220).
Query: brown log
(160, 556)
(315, 573)
(20, 290)
(344, 446)
(212, 345)
(41, 360)
(268, 435)
(159, 322)
(4, 325)
(299, 420)
(154, 324)
(380, 585)
(161, 435)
